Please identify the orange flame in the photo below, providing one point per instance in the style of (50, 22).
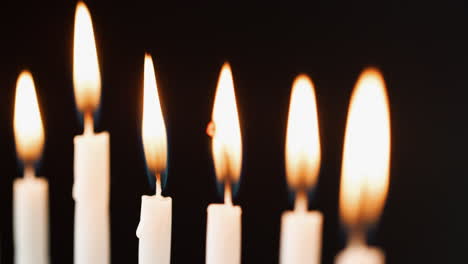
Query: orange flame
(86, 74)
(29, 132)
(226, 139)
(302, 137)
(153, 127)
(366, 154)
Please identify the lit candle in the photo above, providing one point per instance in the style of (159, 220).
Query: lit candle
(30, 194)
(223, 234)
(301, 230)
(154, 230)
(365, 168)
(91, 186)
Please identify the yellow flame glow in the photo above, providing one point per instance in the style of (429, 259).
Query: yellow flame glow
(227, 143)
(366, 154)
(86, 74)
(29, 132)
(153, 127)
(302, 137)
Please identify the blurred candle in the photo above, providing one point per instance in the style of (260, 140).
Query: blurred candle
(365, 167)
(154, 230)
(30, 194)
(92, 180)
(223, 234)
(301, 230)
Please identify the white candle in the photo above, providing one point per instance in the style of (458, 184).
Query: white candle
(361, 254)
(301, 230)
(91, 195)
(31, 220)
(223, 234)
(365, 168)
(31, 194)
(301, 237)
(154, 230)
(91, 187)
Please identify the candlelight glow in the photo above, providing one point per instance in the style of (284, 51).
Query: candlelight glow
(302, 136)
(86, 75)
(153, 127)
(366, 154)
(226, 144)
(28, 129)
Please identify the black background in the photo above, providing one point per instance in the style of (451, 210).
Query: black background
(421, 48)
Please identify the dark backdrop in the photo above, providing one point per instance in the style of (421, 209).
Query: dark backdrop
(420, 46)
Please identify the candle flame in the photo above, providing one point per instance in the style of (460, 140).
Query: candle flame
(366, 154)
(226, 135)
(29, 132)
(302, 137)
(86, 74)
(153, 127)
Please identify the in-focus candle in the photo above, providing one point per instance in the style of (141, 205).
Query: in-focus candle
(154, 229)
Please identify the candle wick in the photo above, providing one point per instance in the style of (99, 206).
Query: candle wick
(300, 204)
(88, 123)
(28, 172)
(227, 194)
(356, 238)
(158, 184)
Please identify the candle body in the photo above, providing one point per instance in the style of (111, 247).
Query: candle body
(223, 234)
(154, 230)
(361, 254)
(91, 194)
(301, 237)
(31, 220)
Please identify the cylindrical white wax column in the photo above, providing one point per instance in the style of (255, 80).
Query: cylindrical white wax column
(91, 191)
(361, 254)
(223, 234)
(301, 237)
(154, 230)
(31, 220)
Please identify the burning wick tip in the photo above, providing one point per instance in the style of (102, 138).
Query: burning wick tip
(158, 184)
(300, 204)
(357, 238)
(227, 194)
(88, 122)
(28, 171)
(210, 129)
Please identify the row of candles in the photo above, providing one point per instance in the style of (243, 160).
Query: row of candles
(364, 184)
